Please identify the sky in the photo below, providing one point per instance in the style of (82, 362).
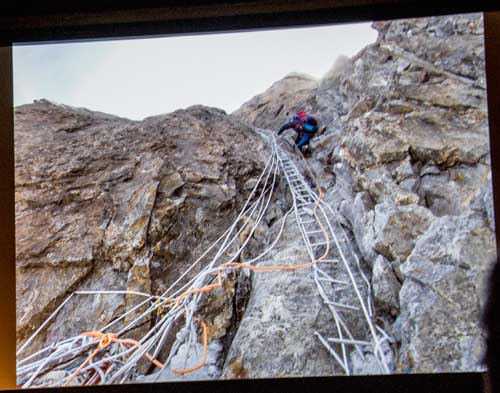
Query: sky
(144, 77)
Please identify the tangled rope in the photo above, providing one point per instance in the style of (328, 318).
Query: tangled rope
(180, 300)
(211, 287)
(203, 357)
(105, 340)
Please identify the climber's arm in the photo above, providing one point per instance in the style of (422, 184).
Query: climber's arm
(286, 126)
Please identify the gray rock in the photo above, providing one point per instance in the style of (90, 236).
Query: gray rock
(385, 184)
(188, 357)
(488, 204)
(452, 43)
(362, 219)
(367, 364)
(407, 142)
(385, 286)
(483, 202)
(443, 294)
(275, 338)
(453, 191)
(429, 168)
(403, 171)
(397, 229)
(269, 109)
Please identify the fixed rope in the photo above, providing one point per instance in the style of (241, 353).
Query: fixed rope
(105, 340)
(181, 298)
(166, 312)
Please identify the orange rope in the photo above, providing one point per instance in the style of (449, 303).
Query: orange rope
(211, 287)
(105, 340)
(204, 357)
(146, 355)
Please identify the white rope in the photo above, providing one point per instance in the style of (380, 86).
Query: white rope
(124, 360)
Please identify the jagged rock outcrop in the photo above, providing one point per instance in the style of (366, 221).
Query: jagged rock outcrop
(270, 108)
(443, 294)
(104, 203)
(405, 159)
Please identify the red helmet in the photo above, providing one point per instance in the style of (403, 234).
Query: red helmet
(302, 115)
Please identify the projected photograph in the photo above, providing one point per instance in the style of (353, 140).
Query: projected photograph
(264, 204)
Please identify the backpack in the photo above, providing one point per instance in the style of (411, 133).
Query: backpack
(307, 121)
(305, 117)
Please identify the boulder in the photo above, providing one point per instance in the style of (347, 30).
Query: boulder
(397, 229)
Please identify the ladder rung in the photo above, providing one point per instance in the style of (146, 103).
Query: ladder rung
(332, 280)
(308, 222)
(329, 261)
(318, 244)
(347, 341)
(341, 305)
(335, 355)
(321, 271)
(312, 232)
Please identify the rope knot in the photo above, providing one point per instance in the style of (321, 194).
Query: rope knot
(105, 339)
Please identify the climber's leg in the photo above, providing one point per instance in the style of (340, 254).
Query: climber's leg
(304, 141)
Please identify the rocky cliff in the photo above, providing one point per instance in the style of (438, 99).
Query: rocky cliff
(405, 159)
(105, 203)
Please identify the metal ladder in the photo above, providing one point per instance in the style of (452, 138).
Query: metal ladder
(338, 276)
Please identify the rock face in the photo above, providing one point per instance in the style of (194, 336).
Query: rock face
(104, 203)
(276, 336)
(405, 159)
(269, 108)
(443, 294)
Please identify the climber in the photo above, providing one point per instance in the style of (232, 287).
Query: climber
(306, 127)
